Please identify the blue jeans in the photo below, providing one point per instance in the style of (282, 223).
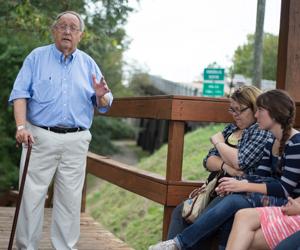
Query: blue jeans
(178, 224)
(211, 220)
(290, 243)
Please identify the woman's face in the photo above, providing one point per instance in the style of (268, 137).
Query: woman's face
(263, 119)
(242, 115)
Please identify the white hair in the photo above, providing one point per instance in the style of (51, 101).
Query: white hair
(73, 13)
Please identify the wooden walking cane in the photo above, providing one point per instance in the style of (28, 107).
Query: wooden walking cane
(19, 200)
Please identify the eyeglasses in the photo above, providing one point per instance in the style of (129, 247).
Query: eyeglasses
(237, 112)
(63, 28)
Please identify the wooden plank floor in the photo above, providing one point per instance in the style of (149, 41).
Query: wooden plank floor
(92, 237)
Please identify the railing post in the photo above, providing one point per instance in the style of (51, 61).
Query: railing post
(174, 164)
(288, 75)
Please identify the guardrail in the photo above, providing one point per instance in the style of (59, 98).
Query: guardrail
(168, 190)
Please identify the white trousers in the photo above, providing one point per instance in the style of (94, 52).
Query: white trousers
(62, 157)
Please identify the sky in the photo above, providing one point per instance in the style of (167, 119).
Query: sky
(177, 39)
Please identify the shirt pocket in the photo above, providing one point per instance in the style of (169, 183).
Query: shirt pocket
(44, 91)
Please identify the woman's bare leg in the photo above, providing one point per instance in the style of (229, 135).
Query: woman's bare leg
(259, 242)
(246, 222)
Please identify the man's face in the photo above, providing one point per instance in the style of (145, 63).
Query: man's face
(66, 33)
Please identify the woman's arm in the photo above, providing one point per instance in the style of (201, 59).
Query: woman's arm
(249, 151)
(228, 185)
(213, 151)
(228, 154)
(214, 163)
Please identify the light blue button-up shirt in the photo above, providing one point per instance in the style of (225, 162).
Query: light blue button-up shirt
(58, 92)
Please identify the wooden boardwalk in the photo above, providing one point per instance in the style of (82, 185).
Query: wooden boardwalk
(92, 237)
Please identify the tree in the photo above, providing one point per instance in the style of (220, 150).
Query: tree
(25, 25)
(258, 43)
(214, 65)
(19, 20)
(243, 57)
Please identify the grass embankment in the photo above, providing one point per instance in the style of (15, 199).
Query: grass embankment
(137, 220)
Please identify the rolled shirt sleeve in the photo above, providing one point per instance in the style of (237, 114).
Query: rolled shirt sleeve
(22, 85)
(104, 109)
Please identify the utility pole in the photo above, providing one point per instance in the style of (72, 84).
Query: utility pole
(258, 44)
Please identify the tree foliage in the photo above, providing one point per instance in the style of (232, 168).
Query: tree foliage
(243, 57)
(24, 25)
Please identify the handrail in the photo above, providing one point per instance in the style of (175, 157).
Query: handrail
(174, 108)
(171, 189)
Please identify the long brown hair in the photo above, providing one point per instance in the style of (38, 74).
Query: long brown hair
(281, 109)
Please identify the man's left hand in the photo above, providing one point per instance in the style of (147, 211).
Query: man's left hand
(100, 87)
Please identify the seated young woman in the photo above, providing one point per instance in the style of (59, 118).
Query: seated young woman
(237, 149)
(265, 227)
(277, 177)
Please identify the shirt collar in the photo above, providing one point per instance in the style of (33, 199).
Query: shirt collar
(60, 56)
(252, 126)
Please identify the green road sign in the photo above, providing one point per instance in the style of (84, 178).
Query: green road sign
(213, 84)
(212, 74)
(213, 89)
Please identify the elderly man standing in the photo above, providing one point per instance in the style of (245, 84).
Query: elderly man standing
(54, 96)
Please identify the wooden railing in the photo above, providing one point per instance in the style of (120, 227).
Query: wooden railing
(168, 190)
